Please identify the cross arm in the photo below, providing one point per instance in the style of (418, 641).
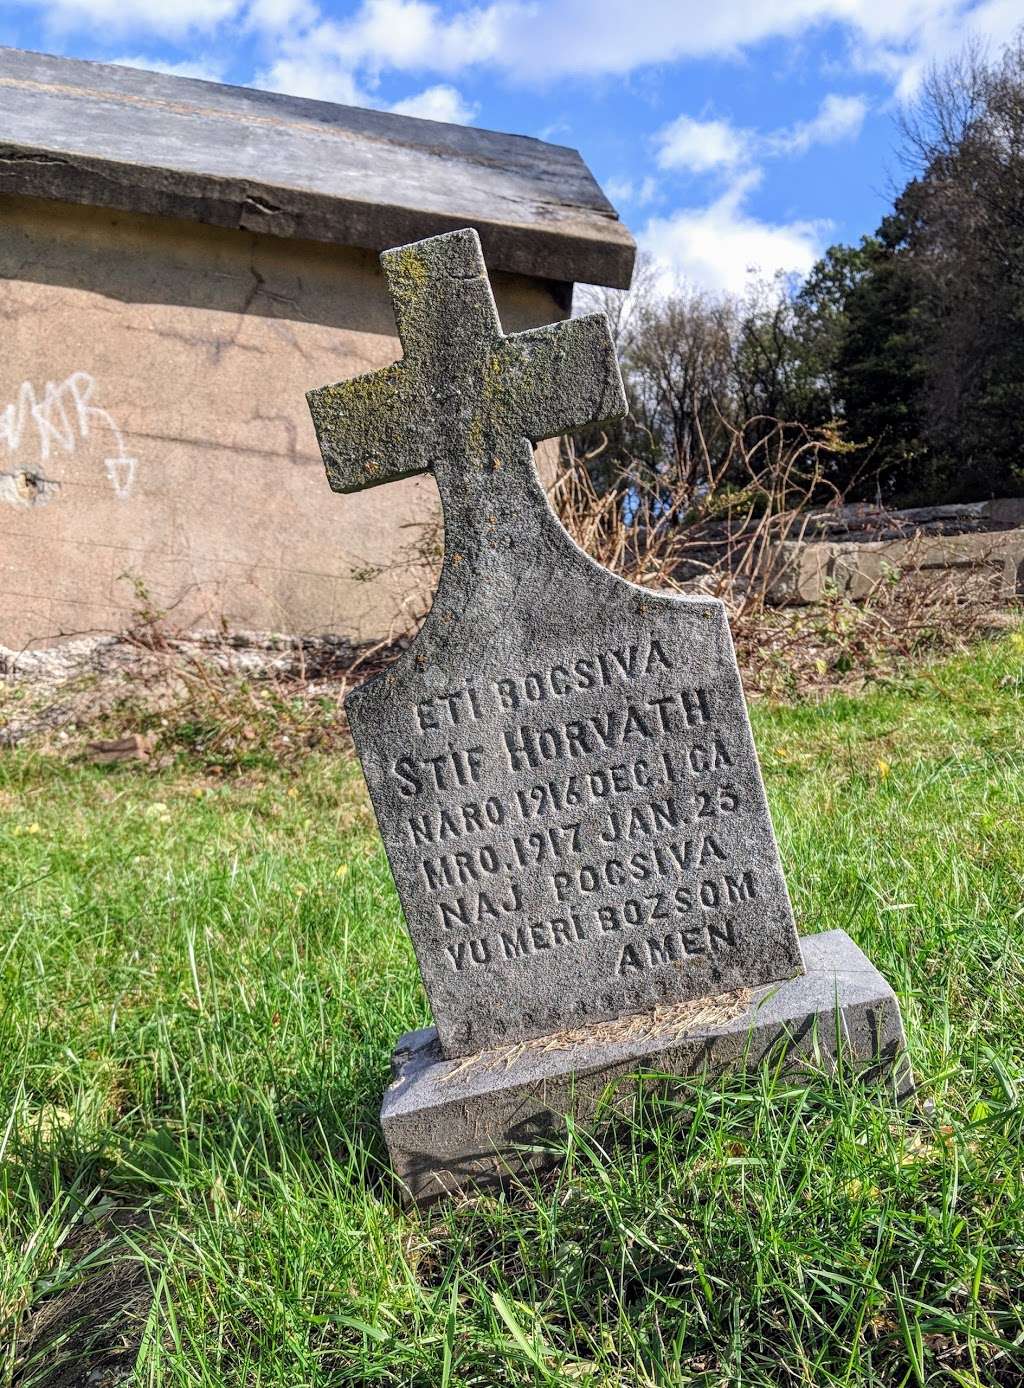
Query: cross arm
(363, 428)
(568, 376)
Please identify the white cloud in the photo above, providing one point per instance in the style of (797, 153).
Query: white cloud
(162, 18)
(627, 190)
(211, 71)
(538, 40)
(934, 32)
(403, 35)
(722, 246)
(542, 39)
(553, 133)
(438, 103)
(273, 17)
(702, 146)
(618, 189)
(322, 72)
(314, 75)
(338, 60)
(838, 118)
(699, 146)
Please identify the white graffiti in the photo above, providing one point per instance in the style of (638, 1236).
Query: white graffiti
(63, 417)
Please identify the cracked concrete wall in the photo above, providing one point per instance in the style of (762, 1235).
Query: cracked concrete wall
(153, 426)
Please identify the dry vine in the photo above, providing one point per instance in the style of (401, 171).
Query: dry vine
(233, 701)
(736, 536)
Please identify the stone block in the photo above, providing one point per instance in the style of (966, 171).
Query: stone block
(455, 1125)
(985, 564)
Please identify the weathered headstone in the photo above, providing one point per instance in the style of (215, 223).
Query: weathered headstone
(561, 765)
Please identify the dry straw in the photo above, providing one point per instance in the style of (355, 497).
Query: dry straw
(664, 1023)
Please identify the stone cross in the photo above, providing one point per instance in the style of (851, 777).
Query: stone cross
(463, 394)
(561, 764)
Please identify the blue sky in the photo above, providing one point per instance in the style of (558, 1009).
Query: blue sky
(732, 135)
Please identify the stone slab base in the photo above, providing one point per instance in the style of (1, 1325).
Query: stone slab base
(452, 1125)
(987, 565)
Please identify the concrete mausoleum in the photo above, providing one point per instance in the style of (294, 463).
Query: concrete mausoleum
(179, 263)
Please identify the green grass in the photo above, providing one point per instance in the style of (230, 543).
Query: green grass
(200, 984)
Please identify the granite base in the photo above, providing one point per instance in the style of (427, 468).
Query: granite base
(452, 1125)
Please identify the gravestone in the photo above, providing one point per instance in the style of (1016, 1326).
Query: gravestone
(561, 766)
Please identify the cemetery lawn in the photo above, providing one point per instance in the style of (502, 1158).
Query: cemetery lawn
(201, 980)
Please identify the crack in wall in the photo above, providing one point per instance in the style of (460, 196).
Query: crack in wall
(31, 157)
(260, 205)
(25, 489)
